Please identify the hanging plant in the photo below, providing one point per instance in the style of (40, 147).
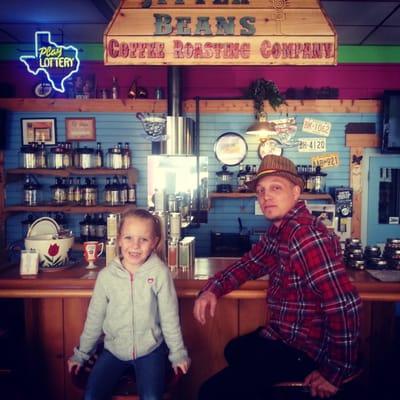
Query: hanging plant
(261, 90)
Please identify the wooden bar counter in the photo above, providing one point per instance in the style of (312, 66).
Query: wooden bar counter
(56, 304)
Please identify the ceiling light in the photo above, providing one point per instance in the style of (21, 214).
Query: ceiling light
(262, 127)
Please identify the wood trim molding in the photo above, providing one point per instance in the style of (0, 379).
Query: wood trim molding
(189, 106)
(357, 143)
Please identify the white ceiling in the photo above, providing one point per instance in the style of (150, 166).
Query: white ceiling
(84, 21)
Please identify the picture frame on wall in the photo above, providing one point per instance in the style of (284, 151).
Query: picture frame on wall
(41, 130)
(80, 129)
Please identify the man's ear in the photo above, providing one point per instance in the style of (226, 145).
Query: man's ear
(296, 191)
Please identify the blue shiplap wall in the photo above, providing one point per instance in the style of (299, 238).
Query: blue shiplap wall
(111, 128)
(223, 216)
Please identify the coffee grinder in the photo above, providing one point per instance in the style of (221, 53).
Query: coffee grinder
(343, 198)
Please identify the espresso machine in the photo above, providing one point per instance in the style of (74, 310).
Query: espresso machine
(343, 198)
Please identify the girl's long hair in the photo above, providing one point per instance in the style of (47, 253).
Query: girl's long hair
(146, 216)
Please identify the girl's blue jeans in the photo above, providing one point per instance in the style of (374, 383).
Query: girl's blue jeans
(149, 371)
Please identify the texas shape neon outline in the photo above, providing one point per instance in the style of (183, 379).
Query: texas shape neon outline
(24, 58)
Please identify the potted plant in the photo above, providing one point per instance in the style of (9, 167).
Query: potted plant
(261, 90)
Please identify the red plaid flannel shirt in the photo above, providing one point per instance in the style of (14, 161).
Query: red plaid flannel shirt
(312, 304)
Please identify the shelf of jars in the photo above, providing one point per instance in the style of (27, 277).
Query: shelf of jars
(131, 173)
(242, 195)
(68, 209)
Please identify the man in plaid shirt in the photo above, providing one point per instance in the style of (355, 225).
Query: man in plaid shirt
(313, 329)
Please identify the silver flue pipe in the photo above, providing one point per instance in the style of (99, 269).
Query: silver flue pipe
(179, 129)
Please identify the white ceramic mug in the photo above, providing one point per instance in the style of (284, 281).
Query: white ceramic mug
(92, 251)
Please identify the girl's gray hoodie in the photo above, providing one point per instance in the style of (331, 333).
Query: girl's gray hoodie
(135, 312)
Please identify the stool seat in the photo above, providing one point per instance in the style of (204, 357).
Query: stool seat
(126, 388)
(298, 390)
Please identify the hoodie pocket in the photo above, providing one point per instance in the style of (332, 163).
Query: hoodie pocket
(146, 340)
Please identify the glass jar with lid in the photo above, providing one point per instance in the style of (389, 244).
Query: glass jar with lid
(86, 158)
(114, 157)
(318, 181)
(28, 156)
(126, 156)
(59, 192)
(68, 155)
(89, 192)
(56, 160)
(31, 191)
(41, 156)
(224, 178)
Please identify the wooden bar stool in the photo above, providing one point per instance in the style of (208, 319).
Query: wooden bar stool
(126, 387)
(296, 390)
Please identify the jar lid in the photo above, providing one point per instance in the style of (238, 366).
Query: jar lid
(57, 150)
(28, 149)
(85, 150)
(114, 150)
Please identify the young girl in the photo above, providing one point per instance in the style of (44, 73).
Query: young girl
(134, 304)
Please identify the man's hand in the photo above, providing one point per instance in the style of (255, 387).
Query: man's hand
(319, 386)
(207, 300)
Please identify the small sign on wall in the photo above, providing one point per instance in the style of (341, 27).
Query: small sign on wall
(312, 145)
(330, 160)
(317, 127)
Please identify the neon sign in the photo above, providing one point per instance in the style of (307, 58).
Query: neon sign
(56, 61)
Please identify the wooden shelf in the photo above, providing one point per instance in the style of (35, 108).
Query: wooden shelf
(189, 106)
(232, 195)
(131, 173)
(81, 105)
(68, 209)
(237, 195)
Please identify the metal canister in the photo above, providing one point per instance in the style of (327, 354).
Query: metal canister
(186, 252)
(353, 241)
(173, 253)
(172, 203)
(159, 200)
(372, 251)
(111, 250)
(377, 263)
(358, 264)
(112, 225)
(393, 243)
(175, 225)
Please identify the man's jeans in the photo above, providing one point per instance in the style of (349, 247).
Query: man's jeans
(149, 371)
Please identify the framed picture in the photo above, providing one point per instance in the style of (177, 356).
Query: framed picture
(81, 86)
(42, 130)
(230, 148)
(80, 129)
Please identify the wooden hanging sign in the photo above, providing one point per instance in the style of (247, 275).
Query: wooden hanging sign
(220, 32)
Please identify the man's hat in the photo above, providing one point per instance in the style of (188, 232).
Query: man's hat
(272, 165)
